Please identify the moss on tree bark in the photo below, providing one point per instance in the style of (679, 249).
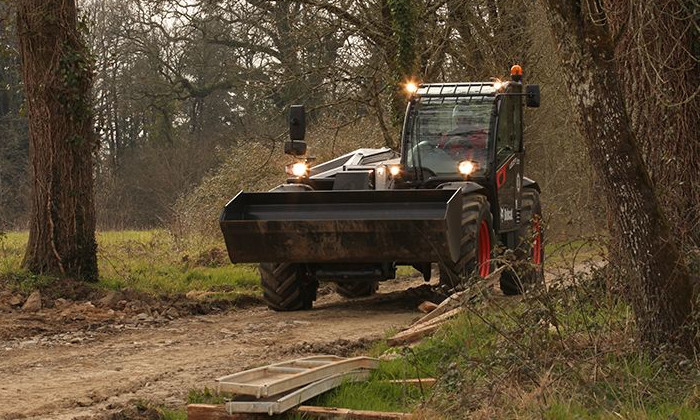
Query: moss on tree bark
(57, 75)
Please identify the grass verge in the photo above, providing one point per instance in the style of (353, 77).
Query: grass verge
(152, 262)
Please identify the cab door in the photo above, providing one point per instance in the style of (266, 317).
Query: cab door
(509, 165)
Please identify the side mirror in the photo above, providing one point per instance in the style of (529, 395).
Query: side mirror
(532, 96)
(296, 146)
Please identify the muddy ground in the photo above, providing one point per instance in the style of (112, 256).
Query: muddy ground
(96, 355)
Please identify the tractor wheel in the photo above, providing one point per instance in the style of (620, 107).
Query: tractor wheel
(528, 268)
(287, 287)
(478, 240)
(356, 289)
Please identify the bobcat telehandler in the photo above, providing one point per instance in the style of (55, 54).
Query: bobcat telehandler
(455, 191)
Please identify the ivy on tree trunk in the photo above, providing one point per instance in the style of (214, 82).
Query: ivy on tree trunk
(57, 73)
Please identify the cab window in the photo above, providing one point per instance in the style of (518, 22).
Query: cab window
(508, 133)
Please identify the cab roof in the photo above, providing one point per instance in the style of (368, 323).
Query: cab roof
(456, 89)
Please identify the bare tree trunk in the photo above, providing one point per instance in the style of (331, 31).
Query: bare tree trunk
(662, 291)
(657, 53)
(57, 79)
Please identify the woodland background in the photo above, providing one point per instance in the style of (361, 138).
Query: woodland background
(191, 98)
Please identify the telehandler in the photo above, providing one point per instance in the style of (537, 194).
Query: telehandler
(454, 192)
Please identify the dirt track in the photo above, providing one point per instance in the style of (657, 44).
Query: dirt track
(93, 362)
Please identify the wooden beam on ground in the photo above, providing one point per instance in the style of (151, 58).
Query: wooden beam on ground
(410, 336)
(218, 412)
(456, 299)
(419, 331)
(345, 413)
(417, 382)
(427, 307)
(440, 319)
(450, 307)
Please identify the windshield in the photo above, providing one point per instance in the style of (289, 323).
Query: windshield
(444, 132)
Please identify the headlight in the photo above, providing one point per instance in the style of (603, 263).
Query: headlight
(395, 170)
(299, 169)
(466, 167)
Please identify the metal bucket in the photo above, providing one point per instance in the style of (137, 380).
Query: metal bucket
(406, 226)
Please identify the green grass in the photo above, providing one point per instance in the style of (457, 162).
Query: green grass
(561, 354)
(147, 410)
(146, 261)
(206, 396)
(174, 414)
(576, 252)
(372, 395)
(12, 245)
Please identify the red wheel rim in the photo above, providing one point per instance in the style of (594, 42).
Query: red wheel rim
(484, 256)
(537, 243)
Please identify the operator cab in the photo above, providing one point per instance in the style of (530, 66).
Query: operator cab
(469, 132)
(448, 127)
(448, 131)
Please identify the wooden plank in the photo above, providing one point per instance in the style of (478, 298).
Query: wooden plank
(266, 381)
(441, 318)
(345, 413)
(310, 363)
(218, 412)
(417, 382)
(445, 310)
(283, 369)
(410, 336)
(262, 372)
(456, 299)
(295, 398)
(427, 306)
(419, 331)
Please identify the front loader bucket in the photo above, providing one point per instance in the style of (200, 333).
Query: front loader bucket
(408, 226)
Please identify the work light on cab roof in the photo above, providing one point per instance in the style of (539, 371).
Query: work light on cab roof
(516, 73)
(411, 87)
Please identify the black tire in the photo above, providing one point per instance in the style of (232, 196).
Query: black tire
(475, 212)
(356, 289)
(287, 287)
(528, 268)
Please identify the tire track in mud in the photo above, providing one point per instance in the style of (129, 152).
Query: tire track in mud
(108, 369)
